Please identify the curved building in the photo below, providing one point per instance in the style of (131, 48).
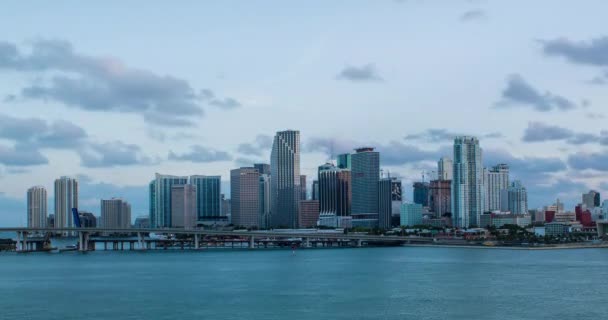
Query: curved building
(285, 179)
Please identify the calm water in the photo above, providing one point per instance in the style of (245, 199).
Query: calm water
(369, 283)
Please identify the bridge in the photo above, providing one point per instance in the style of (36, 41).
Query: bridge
(193, 238)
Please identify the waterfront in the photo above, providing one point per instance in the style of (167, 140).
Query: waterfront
(366, 283)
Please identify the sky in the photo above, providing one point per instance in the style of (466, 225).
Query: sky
(112, 92)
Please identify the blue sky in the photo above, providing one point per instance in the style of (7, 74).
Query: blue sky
(113, 92)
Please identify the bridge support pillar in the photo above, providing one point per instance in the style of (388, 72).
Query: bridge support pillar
(252, 242)
(306, 242)
(359, 243)
(196, 241)
(83, 241)
(24, 241)
(141, 242)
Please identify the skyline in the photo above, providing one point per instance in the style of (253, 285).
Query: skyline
(371, 79)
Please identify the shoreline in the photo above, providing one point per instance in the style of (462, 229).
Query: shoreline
(557, 247)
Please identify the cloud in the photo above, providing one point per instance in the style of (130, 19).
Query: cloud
(21, 155)
(244, 162)
(441, 135)
(103, 84)
(201, 154)
(540, 132)
(594, 161)
(91, 192)
(473, 15)
(260, 146)
(520, 93)
(531, 170)
(365, 73)
(110, 154)
(593, 52)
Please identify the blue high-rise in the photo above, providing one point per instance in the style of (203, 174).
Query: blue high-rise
(208, 198)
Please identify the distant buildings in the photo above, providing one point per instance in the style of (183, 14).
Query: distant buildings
(344, 161)
(421, 193)
(263, 168)
(142, 222)
(498, 220)
(303, 188)
(591, 199)
(264, 202)
(365, 171)
(397, 200)
(66, 198)
(245, 202)
(445, 169)
(160, 199)
(87, 219)
(285, 179)
(411, 214)
(115, 213)
(36, 207)
(208, 199)
(515, 198)
(385, 202)
(496, 180)
(183, 206)
(335, 196)
(308, 213)
(315, 190)
(468, 191)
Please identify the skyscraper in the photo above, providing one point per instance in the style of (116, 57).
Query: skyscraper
(468, 191)
(315, 190)
(245, 202)
(263, 168)
(303, 188)
(36, 207)
(285, 179)
(421, 193)
(66, 198)
(115, 213)
(445, 169)
(440, 197)
(397, 200)
(160, 199)
(265, 201)
(365, 163)
(344, 161)
(183, 206)
(335, 194)
(591, 199)
(515, 198)
(496, 180)
(208, 199)
(385, 202)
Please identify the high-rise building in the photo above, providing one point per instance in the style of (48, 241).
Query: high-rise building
(445, 167)
(315, 190)
(308, 213)
(184, 206)
(496, 180)
(468, 191)
(225, 206)
(440, 197)
(36, 207)
(421, 193)
(344, 161)
(263, 168)
(208, 199)
(335, 194)
(160, 199)
(411, 214)
(303, 188)
(66, 198)
(87, 219)
(115, 213)
(385, 202)
(397, 200)
(591, 199)
(142, 222)
(265, 203)
(285, 181)
(245, 191)
(365, 174)
(515, 198)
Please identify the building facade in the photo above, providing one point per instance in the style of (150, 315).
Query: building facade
(515, 198)
(365, 175)
(36, 207)
(496, 180)
(468, 191)
(335, 194)
(411, 214)
(66, 198)
(421, 193)
(444, 169)
(344, 161)
(208, 199)
(309, 213)
(285, 181)
(245, 202)
(303, 189)
(440, 195)
(115, 213)
(385, 202)
(160, 199)
(184, 206)
(592, 199)
(263, 168)
(265, 203)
